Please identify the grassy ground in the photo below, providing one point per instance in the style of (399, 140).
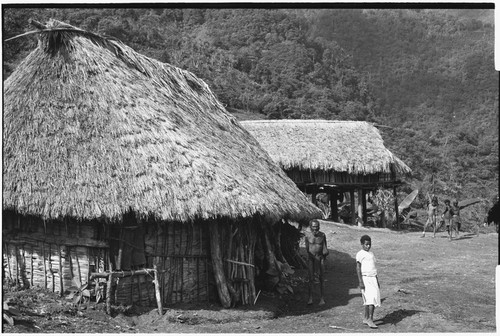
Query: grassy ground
(427, 285)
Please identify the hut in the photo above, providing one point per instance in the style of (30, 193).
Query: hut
(334, 157)
(127, 175)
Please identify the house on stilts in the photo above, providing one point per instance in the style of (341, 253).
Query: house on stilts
(127, 175)
(333, 157)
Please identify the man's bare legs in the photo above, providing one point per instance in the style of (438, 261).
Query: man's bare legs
(321, 273)
(433, 222)
(312, 270)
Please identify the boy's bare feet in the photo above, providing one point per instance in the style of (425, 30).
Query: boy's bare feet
(365, 321)
(310, 302)
(321, 302)
(371, 324)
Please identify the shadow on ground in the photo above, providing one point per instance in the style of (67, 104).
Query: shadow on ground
(340, 287)
(396, 316)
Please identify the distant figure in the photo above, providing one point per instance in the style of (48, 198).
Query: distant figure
(457, 221)
(432, 213)
(372, 212)
(316, 251)
(368, 280)
(448, 216)
(345, 214)
(494, 215)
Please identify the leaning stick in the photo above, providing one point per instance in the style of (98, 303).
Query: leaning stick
(157, 291)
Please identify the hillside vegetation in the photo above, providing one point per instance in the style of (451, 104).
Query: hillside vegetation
(426, 77)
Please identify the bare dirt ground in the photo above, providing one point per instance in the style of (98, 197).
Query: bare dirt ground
(427, 285)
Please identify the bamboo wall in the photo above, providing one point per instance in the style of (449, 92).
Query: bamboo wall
(53, 255)
(181, 253)
(60, 254)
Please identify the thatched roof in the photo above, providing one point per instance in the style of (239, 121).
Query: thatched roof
(355, 147)
(93, 129)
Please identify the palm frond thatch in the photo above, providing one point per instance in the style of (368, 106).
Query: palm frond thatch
(92, 129)
(355, 147)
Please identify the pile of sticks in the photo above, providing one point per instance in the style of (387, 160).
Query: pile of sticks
(240, 268)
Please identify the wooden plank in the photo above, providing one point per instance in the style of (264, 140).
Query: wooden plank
(122, 274)
(33, 237)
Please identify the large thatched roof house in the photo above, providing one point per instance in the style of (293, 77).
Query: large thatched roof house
(115, 161)
(339, 156)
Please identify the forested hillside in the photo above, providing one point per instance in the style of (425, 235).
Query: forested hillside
(425, 76)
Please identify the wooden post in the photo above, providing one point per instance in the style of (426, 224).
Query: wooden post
(333, 206)
(353, 208)
(218, 266)
(45, 282)
(363, 195)
(157, 291)
(17, 266)
(396, 207)
(120, 251)
(360, 207)
(61, 280)
(313, 198)
(78, 267)
(109, 293)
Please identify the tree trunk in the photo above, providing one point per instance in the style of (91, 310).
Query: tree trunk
(218, 264)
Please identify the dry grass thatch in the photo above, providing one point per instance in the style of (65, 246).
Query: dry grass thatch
(93, 129)
(355, 147)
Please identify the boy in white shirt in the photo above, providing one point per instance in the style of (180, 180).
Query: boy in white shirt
(368, 280)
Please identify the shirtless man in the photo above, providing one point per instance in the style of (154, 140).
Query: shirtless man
(431, 215)
(457, 221)
(316, 251)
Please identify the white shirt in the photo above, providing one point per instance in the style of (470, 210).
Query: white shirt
(367, 261)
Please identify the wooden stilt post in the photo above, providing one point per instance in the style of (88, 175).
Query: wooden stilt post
(353, 207)
(360, 207)
(61, 281)
(363, 203)
(44, 267)
(396, 207)
(333, 206)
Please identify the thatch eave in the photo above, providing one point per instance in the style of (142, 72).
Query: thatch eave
(352, 147)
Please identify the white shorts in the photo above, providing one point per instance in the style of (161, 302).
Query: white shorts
(371, 293)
